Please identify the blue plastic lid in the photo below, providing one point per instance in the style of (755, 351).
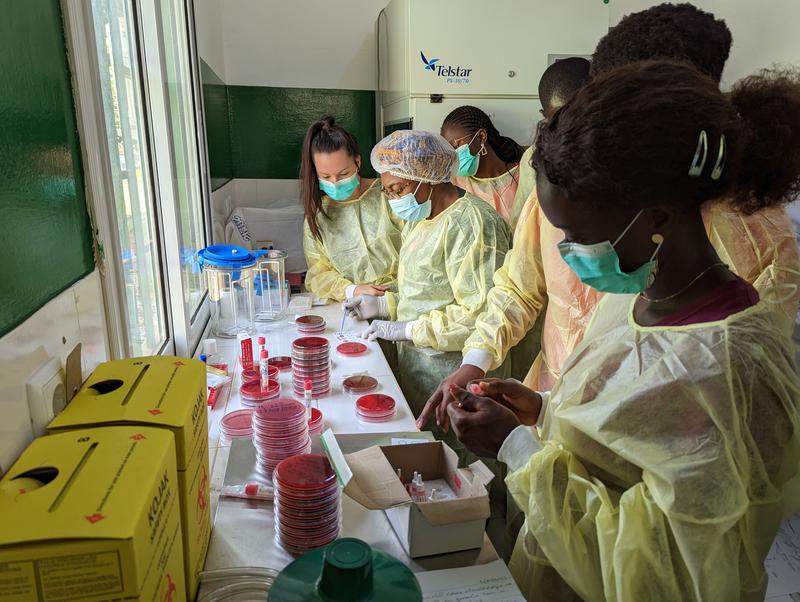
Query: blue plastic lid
(228, 256)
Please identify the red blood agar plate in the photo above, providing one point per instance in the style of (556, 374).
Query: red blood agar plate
(309, 320)
(253, 375)
(309, 472)
(238, 423)
(280, 410)
(255, 392)
(281, 362)
(314, 344)
(351, 349)
(375, 404)
(359, 385)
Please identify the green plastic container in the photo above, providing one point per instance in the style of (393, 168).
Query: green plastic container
(347, 570)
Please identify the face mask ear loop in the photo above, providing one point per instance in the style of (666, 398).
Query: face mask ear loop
(628, 227)
(415, 191)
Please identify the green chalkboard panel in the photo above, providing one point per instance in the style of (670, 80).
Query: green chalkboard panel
(218, 132)
(46, 244)
(268, 125)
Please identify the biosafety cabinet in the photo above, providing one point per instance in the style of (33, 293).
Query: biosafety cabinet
(435, 55)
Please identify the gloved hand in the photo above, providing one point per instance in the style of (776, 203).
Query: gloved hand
(391, 331)
(366, 307)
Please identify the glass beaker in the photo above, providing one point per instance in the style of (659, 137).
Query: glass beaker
(230, 273)
(270, 285)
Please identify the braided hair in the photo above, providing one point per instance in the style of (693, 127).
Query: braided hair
(471, 119)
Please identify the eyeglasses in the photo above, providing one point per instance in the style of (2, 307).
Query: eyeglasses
(395, 191)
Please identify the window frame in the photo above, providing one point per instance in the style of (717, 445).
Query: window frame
(183, 331)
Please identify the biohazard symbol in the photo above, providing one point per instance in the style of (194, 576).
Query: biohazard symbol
(172, 589)
(155, 411)
(95, 518)
(179, 363)
(137, 437)
(202, 494)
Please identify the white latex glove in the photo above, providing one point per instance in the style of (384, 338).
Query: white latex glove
(366, 307)
(391, 331)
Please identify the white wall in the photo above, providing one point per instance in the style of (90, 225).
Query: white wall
(209, 29)
(300, 43)
(75, 316)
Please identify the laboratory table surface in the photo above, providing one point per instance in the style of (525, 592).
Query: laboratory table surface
(243, 532)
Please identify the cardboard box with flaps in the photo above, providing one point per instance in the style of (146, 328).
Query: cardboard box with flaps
(93, 515)
(370, 477)
(163, 392)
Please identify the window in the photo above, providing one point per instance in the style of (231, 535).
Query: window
(134, 207)
(143, 165)
(180, 97)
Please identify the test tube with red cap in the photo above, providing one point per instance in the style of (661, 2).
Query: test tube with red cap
(308, 387)
(262, 344)
(263, 366)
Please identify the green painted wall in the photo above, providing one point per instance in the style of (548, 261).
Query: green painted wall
(46, 244)
(218, 132)
(268, 125)
(257, 131)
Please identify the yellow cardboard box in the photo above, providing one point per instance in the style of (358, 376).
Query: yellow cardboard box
(92, 515)
(166, 392)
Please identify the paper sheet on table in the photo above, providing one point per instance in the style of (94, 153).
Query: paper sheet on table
(783, 561)
(484, 583)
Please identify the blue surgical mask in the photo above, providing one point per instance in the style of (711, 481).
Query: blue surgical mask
(467, 162)
(598, 266)
(407, 207)
(341, 190)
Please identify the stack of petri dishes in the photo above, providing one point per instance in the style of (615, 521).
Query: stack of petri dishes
(237, 424)
(315, 422)
(307, 503)
(351, 349)
(254, 394)
(375, 407)
(280, 431)
(359, 384)
(311, 361)
(307, 325)
(253, 375)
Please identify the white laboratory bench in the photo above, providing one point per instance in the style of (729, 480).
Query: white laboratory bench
(243, 531)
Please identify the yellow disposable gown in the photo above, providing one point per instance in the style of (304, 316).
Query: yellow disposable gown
(670, 457)
(360, 245)
(446, 269)
(498, 192)
(527, 182)
(760, 248)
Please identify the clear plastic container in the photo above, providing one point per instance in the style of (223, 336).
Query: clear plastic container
(272, 291)
(230, 273)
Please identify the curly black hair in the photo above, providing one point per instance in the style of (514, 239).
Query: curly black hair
(561, 80)
(621, 141)
(674, 32)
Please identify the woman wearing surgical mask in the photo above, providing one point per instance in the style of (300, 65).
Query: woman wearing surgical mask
(452, 244)
(488, 163)
(351, 238)
(664, 459)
